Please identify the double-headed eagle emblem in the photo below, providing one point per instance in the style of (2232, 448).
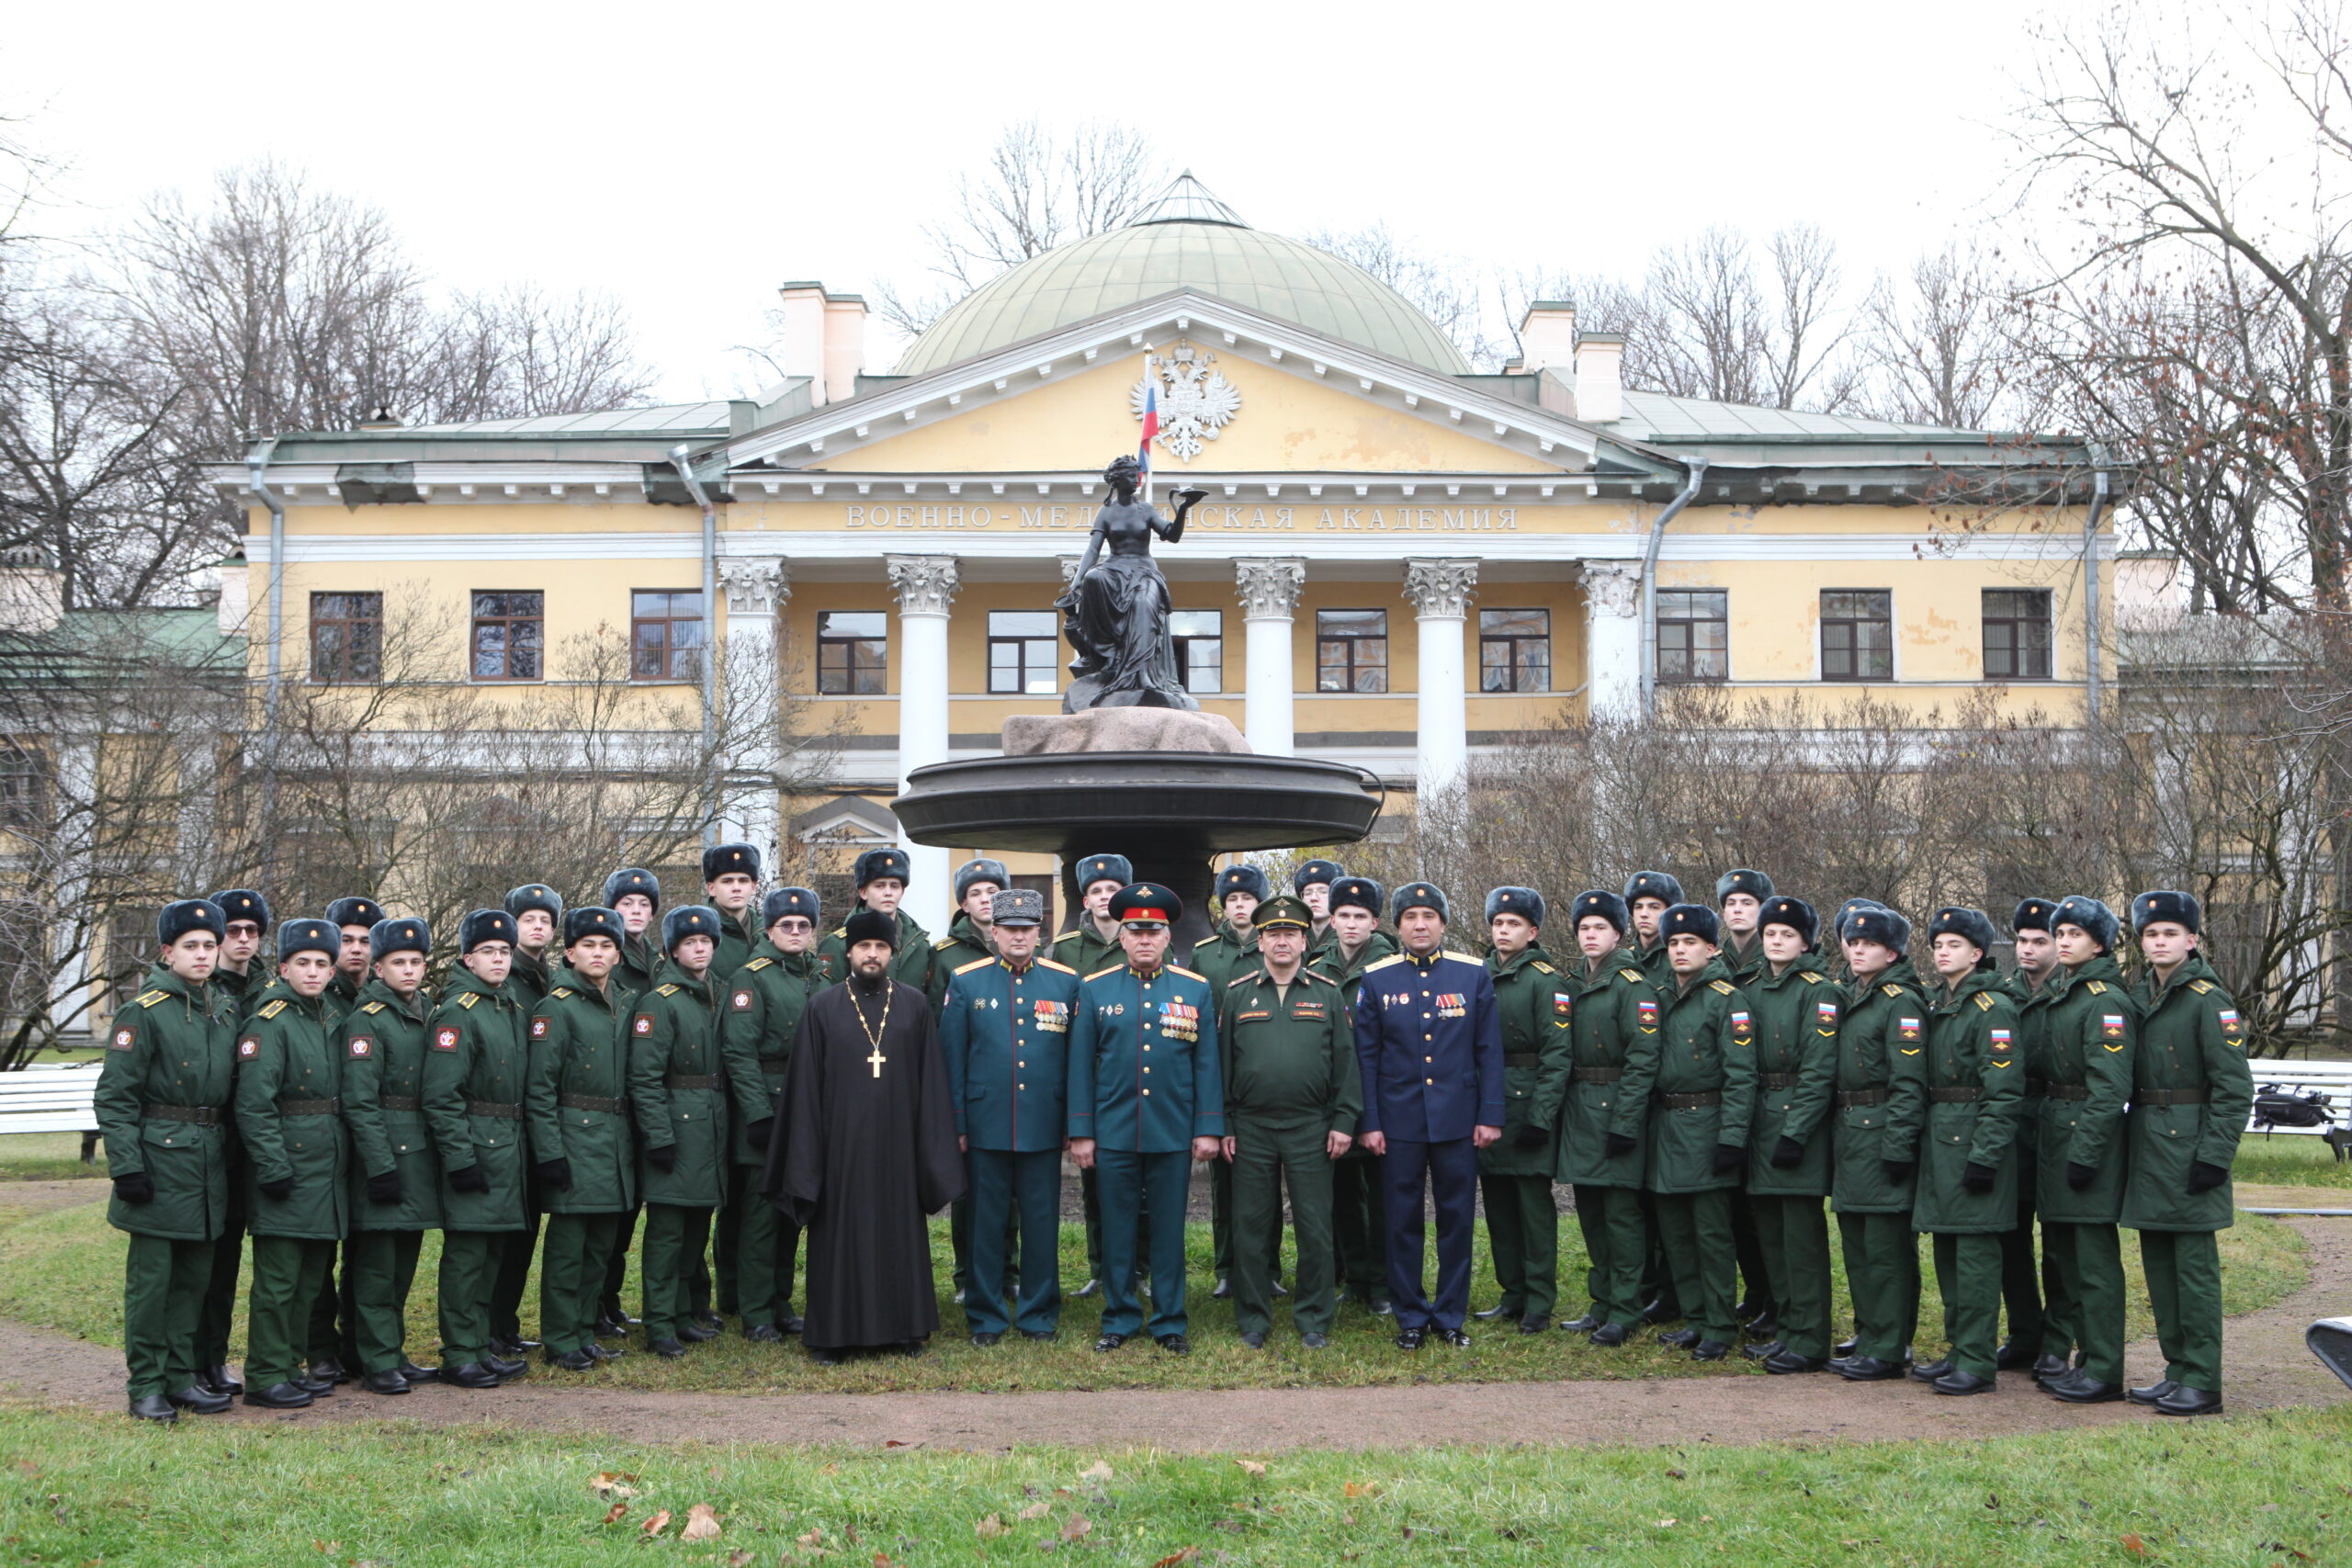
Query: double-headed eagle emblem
(1195, 400)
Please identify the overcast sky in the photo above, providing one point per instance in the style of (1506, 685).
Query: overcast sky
(688, 158)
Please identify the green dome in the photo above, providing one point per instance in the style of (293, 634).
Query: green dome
(1187, 239)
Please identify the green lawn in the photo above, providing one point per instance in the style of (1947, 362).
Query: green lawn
(47, 1157)
(91, 1489)
(2296, 1160)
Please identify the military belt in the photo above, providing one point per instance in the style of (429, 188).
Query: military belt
(1691, 1102)
(1848, 1098)
(309, 1108)
(1955, 1094)
(775, 1065)
(194, 1115)
(400, 1103)
(1522, 1058)
(691, 1080)
(1777, 1080)
(2067, 1091)
(2170, 1097)
(1596, 1074)
(493, 1109)
(2036, 1088)
(591, 1102)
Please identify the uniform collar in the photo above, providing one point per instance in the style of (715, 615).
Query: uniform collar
(1018, 969)
(1423, 964)
(1147, 974)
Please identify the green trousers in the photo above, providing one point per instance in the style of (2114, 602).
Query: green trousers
(378, 1266)
(674, 1234)
(220, 1304)
(164, 1282)
(472, 1263)
(2184, 1270)
(574, 1263)
(1694, 1228)
(608, 1296)
(515, 1269)
(1968, 1276)
(1360, 1227)
(330, 1332)
(735, 1183)
(1015, 1208)
(1616, 1240)
(1089, 1203)
(2089, 1260)
(1270, 1157)
(2025, 1275)
(1883, 1275)
(1793, 1234)
(1755, 1269)
(1221, 1217)
(766, 1248)
(289, 1275)
(1523, 1238)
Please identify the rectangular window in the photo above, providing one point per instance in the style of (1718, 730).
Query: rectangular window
(1022, 646)
(1857, 634)
(510, 630)
(665, 634)
(1043, 885)
(346, 636)
(1352, 650)
(850, 646)
(130, 952)
(1693, 634)
(2016, 634)
(21, 794)
(1200, 649)
(1514, 651)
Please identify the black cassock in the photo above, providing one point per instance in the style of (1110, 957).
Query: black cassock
(862, 1152)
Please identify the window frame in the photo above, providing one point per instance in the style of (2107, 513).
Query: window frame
(1691, 651)
(477, 620)
(700, 620)
(1512, 640)
(1854, 649)
(1354, 673)
(2047, 621)
(851, 669)
(1021, 643)
(338, 672)
(1183, 644)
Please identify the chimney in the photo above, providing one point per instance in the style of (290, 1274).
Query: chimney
(1600, 387)
(823, 339)
(33, 592)
(845, 345)
(1547, 336)
(236, 601)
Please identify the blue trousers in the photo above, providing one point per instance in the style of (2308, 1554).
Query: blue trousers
(1151, 1189)
(1448, 1172)
(1005, 1184)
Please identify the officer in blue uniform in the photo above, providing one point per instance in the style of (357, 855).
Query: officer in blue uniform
(1004, 1030)
(1144, 1093)
(1431, 1044)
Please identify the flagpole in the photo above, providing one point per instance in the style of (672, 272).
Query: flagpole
(1152, 384)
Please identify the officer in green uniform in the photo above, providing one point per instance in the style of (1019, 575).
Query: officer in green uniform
(1293, 1092)
(1739, 899)
(2089, 1032)
(240, 979)
(1797, 1011)
(1533, 1004)
(764, 1002)
(978, 883)
(730, 880)
(1700, 1110)
(334, 1348)
(1230, 950)
(2026, 1280)
(680, 1095)
(1605, 1111)
(634, 893)
(478, 1058)
(395, 1174)
(1874, 1145)
(289, 1115)
(1833, 947)
(1359, 1223)
(537, 912)
(1648, 895)
(1313, 883)
(881, 877)
(2192, 1090)
(1966, 1193)
(162, 1103)
(1092, 941)
(576, 1111)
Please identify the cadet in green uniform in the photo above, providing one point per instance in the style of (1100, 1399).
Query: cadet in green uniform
(1605, 1111)
(1313, 883)
(881, 877)
(1739, 901)
(1797, 1011)
(2192, 1091)
(2089, 1030)
(1966, 1195)
(1092, 941)
(584, 1156)
(395, 1175)
(634, 893)
(730, 880)
(2026, 1280)
(978, 882)
(1230, 950)
(680, 1095)
(537, 912)
(1648, 895)
(1874, 1145)
(1533, 1004)
(1359, 1223)
(240, 979)
(1699, 1112)
(163, 1108)
(289, 1115)
(474, 1072)
(764, 1002)
(334, 1348)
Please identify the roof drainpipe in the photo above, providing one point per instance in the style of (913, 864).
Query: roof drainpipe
(2090, 585)
(682, 460)
(256, 468)
(1650, 585)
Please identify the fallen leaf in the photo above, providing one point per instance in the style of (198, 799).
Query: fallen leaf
(739, 1558)
(2132, 1544)
(1097, 1470)
(1251, 1467)
(882, 1560)
(1177, 1559)
(849, 1533)
(1037, 1510)
(656, 1525)
(814, 1536)
(1674, 1474)
(989, 1528)
(702, 1523)
(895, 1443)
(612, 1484)
(1363, 1489)
(1078, 1529)
(613, 1515)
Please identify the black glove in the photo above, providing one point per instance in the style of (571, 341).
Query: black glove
(1898, 1171)
(135, 1187)
(2203, 1178)
(1528, 1138)
(469, 1180)
(385, 1188)
(1729, 1157)
(2080, 1176)
(1788, 1152)
(1976, 1178)
(556, 1173)
(663, 1159)
(1619, 1145)
(758, 1132)
(277, 1192)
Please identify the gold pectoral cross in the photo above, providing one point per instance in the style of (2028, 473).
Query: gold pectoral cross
(878, 1059)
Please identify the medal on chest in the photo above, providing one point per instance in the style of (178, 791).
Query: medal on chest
(1453, 1004)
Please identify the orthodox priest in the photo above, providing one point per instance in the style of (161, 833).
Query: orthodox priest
(864, 1146)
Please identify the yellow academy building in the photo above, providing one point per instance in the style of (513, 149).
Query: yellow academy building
(1398, 563)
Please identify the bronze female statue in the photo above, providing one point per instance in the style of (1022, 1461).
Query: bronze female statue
(1115, 611)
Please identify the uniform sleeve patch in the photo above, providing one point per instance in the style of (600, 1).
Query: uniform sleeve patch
(2231, 1026)
(1826, 1013)
(249, 1047)
(124, 1038)
(742, 1001)
(644, 1024)
(1999, 1038)
(1741, 1025)
(2111, 1025)
(1562, 1004)
(361, 1045)
(538, 1029)
(445, 1040)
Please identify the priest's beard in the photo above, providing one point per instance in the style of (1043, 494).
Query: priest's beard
(869, 985)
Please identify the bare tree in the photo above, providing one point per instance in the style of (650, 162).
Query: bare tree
(1446, 292)
(1941, 344)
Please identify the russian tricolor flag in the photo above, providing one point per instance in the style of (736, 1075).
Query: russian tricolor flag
(1150, 424)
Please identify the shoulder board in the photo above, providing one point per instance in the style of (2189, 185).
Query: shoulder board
(2096, 988)
(841, 930)
(560, 991)
(1180, 969)
(1463, 957)
(1726, 987)
(1543, 967)
(670, 990)
(274, 1009)
(470, 999)
(1058, 968)
(759, 963)
(1318, 974)
(1106, 969)
(148, 998)
(1067, 936)
(1635, 976)
(2199, 986)
(1809, 977)
(1892, 990)
(1243, 979)
(1985, 1002)
(373, 1007)
(975, 964)
(1383, 963)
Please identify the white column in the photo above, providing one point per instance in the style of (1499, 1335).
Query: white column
(756, 587)
(1269, 586)
(1612, 639)
(925, 585)
(1440, 592)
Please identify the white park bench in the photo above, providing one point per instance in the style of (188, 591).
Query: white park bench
(2277, 1080)
(52, 1097)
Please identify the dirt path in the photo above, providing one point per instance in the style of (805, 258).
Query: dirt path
(2268, 1366)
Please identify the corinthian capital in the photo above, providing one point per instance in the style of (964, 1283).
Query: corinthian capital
(754, 585)
(1269, 586)
(1441, 588)
(1612, 587)
(924, 584)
